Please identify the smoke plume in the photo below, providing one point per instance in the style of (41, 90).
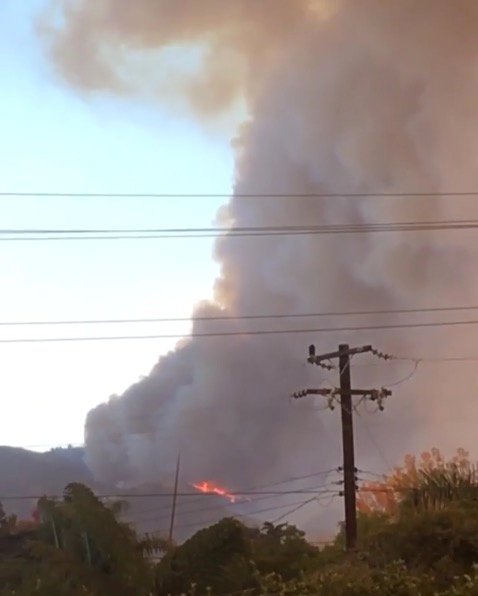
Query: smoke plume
(376, 96)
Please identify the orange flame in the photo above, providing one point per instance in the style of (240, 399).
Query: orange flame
(211, 488)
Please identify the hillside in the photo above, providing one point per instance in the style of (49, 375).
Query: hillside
(24, 472)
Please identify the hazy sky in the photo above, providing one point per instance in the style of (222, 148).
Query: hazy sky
(53, 140)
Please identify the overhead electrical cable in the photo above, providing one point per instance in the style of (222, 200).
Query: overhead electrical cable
(374, 442)
(298, 505)
(233, 232)
(238, 493)
(221, 507)
(284, 195)
(256, 487)
(238, 229)
(262, 332)
(195, 318)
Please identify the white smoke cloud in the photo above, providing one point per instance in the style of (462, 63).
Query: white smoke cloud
(375, 96)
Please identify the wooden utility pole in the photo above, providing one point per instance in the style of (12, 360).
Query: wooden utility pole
(175, 498)
(346, 392)
(348, 447)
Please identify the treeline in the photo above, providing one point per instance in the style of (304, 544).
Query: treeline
(418, 536)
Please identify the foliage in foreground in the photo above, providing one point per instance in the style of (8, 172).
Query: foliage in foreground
(418, 536)
(231, 557)
(78, 548)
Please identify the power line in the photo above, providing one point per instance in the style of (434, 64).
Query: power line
(436, 360)
(169, 494)
(379, 450)
(33, 340)
(234, 229)
(290, 195)
(237, 317)
(375, 474)
(301, 506)
(444, 359)
(257, 487)
(266, 510)
(221, 507)
(256, 232)
(407, 377)
(417, 361)
(386, 489)
(268, 228)
(159, 517)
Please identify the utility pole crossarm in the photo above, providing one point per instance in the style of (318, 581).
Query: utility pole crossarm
(374, 394)
(313, 359)
(304, 392)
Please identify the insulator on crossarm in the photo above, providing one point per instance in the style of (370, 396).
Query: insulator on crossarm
(383, 394)
(299, 394)
(311, 358)
(382, 355)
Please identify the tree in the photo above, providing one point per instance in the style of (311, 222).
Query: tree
(89, 529)
(282, 549)
(216, 558)
(228, 557)
(425, 514)
(429, 483)
(78, 548)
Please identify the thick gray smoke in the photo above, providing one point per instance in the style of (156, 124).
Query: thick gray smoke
(348, 96)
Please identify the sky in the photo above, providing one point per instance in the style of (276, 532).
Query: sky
(56, 141)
